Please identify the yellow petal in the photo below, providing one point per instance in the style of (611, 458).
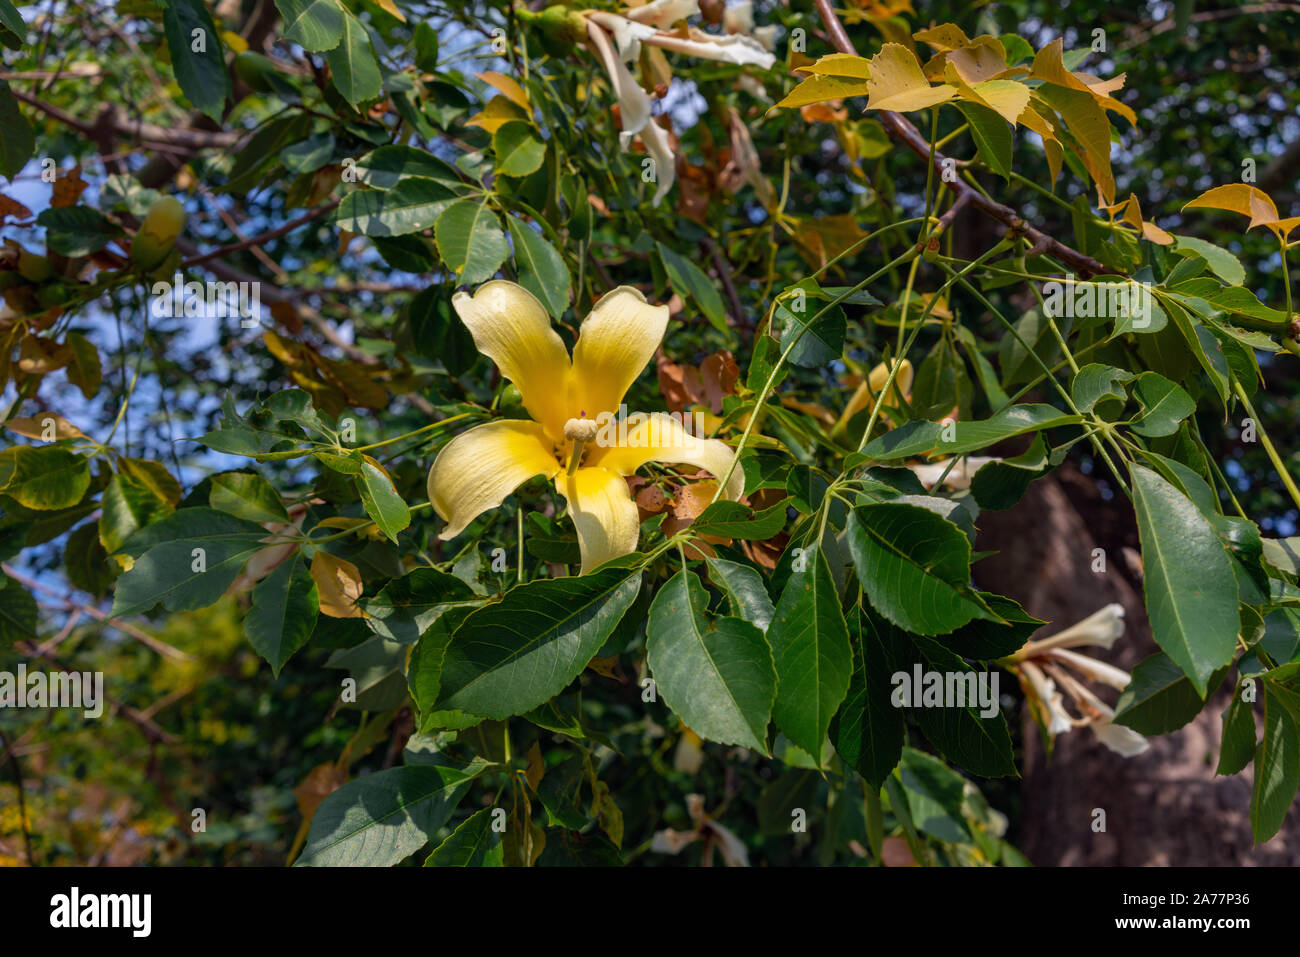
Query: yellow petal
(603, 513)
(659, 437)
(477, 469)
(614, 345)
(512, 329)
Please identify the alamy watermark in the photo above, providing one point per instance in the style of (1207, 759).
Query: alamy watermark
(82, 690)
(1081, 299)
(207, 300)
(945, 689)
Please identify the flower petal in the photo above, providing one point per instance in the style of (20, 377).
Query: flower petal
(659, 146)
(512, 329)
(633, 102)
(659, 437)
(477, 469)
(614, 345)
(603, 513)
(664, 13)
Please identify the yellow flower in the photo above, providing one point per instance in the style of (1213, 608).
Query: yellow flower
(574, 435)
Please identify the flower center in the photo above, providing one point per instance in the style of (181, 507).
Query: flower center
(579, 432)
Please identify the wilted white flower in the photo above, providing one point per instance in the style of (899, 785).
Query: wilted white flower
(1053, 703)
(739, 18)
(958, 478)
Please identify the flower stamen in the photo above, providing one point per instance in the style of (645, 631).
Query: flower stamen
(579, 432)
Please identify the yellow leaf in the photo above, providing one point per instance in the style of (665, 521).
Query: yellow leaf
(234, 41)
(1006, 97)
(1249, 201)
(1049, 66)
(1155, 234)
(945, 37)
(508, 87)
(897, 82)
(46, 426)
(389, 7)
(819, 89)
(499, 111)
(1239, 198)
(1034, 120)
(840, 64)
(1091, 130)
(339, 584)
(982, 60)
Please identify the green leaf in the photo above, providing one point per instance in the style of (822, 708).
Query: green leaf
(76, 230)
(810, 647)
(1191, 594)
(934, 796)
(381, 501)
(1000, 485)
(285, 606)
(985, 640)
(353, 66)
(1099, 383)
(794, 790)
(920, 438)
(84, 371)
(247, 495)
(914, 566)
(744, 591)
(17, 143)
(127, 506)
(13, 31)
(868, 731)
(186, 561)
(1225, 265)
(1160, 698)
(426, 47)
(1277, 770)
(412, 205)
(1238, 745)
(413, 254)
(406, 607)
(309, 155)
(551, 541)
(473, 844)
(966, 737)
(992, 135)
(511, 656)
(519, 148)
(690, 282)
(198, 56)
(1164, 405)
(315, 25)
(716, 673)
(470, 241)
(86, 562)
(387, 166)
(820, 334)
(541, 269)
(44, 477)
(382, 818)
(438, 332)
(17, 613)
(728, 519)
